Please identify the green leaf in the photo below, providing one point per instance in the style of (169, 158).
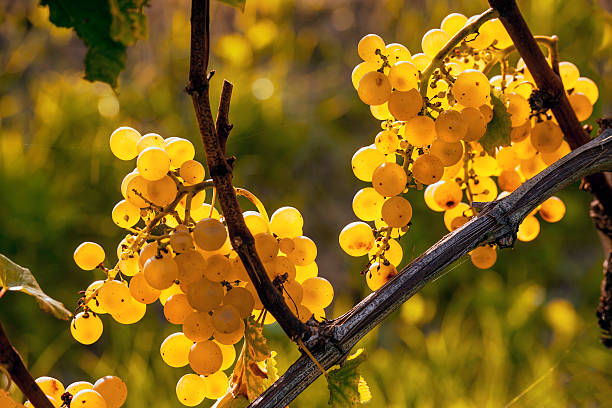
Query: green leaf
(17, 278)
(107, 27)
(498, 129)
(270, 366)
(251, 370)
(235, 3)
(347, 388)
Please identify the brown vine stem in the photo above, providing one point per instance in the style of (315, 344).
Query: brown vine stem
(545, 79)
(597, 183)
(214, 138)
(11, 361)
(496, 223)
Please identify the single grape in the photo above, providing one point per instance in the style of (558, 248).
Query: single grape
(179, 151)
(305, 251)
(453, 23)
(370, 46)
(569, 74)
(405, 105)
(427, 169)
(404, 76)
(447, 194)
(471, 88)
(51, 387)
(587, 87)
(365, 161)
(393, 252)
(133, 312)
(153, 163)
(114, 296)
(113, 390)
(389, 179)
(141, 291)
(374, 88)
(175, 349)
(396, 212)
(88, 399)
(420, 131)
(192, 172)
(205, 357)
(378, 274)
(267, 246)
(241, 299)
(191, 389)
(386, 141)
(581, 105)
(123, 143)
(198, 326)
(205, 295)
(451, 126)
(361, 69)
(483, 257)
(552, 210)
(160, 272)
(367, 204)
(86, 328)
(177, 308)
(356, 239)
(89, 255)
(317, 293)
(448, 153)
(433, 41)
(162, 192)
(209, 234)
(528, 229)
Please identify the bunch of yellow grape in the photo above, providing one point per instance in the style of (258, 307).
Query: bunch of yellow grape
(178, 252)
(107, 392)
(434, 125)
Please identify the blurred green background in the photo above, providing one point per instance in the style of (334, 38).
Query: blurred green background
(523, 333)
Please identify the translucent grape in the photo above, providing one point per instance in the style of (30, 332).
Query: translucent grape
(136, 189)
(78, 386)
(113, 390)
(587, 87)
(456, 216)
(209, 234)
(393, 253)
(174, 350)
(507, 158)
(191, 390)
(226, 319)
(230, 338)
(305, 251)
(317, 293)
(287, 222)
(421, 61)
(518, 108)
(150, 140)
(356, 239)
(420, 131)
(485, 165)
(550, 158)
(546, 136)
(217, 268)
(125, 214)
(532, 166)
(88, 399)
(509, 180)
(552, 210)
(89, 255)
(160, 272)
(256, 223)
(476, 124)
(386, 141)
(51, 387)
(581, 105)
(216, 385)
(179, 151)
(141, 290)
(524, 149)
(381, 112)
(447, 195)
(453, 23)
(241, 299)
(404, 76)
(361, 69)
(198, 326)
(192, 172)
(229, 354)
(520, 133)
(529, 229)
(450, 126)
(433, 41)
(267, 246)
(483, 189)
(405, 105)
(123, 143)
(166, 293)
(389, 179)
(367, 204)
(396, 212)
(499, 33)
(428, 196)
(427, 169)
(483, 38)
(128, 264)
(181, 241)
(153, 163)
(365, 161)
(397, 52)
(86, 328)
(205, 357)
(448, 153)
(374, 88)
(378, 274)
(483, 257)
(471, 88)
(368, 47)
(569, 74)
(133, 312)
(205, 295)
(162, 192)
(113, 296)
(304, 272)
(177, 308)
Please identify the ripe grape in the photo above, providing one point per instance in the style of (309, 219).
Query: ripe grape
(451, 126)
(241, 299)
(304, 272)
(123, 143)
(78, 386)
(396, 212)
(255, 222)
(393, 253)
(546, 136)
(230, 338)
(378, 274)
(177, 308)
(368, 47)
(160, 272)
(361, 69)
(507, 158)
(141, 291)
(131, 313)
(51, 387)
(552, 210)
(421, 61)
(209, 234)
(150, 140)
(528, 229)
(365, 161)
(113, 296)
(198, 326)
(305, 251)
(518, 108)
(389, 179)
(191, 390)
(476, 124)
(396, 52)
(429, 198)
(174, 350)
(367, 204)
(569, 74)
(205, 357)
(113, 390)
(587, 87)
(471, 88)
(453, 23)
(509, 180)
(447, 195)
(404, 76)
(153, 163)
(427, 169)
(267, 246)
(205, 295)
(433, 41)
(317, 293)
(226, 319)
(136, 189)
(217, 268)
(405, 105)
(162, 192)
(192, 172)
(386, 141)
(216, 385)
(448, 153)
(420, 131)
(381, 112)
(356, 239)
(581, 105)
(86, 328)
(88, 399)
(179, 151)
(483, 257)
(125, 214)
(374, 88)
(89, 255)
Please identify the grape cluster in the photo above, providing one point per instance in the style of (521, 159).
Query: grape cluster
(107, 392)
(432, 129)
(178, 251)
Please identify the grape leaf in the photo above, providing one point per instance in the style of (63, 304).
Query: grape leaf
(251, 371)
(498, 129)
(347, 388)
(107, 27)
(17, 278)
(235, 3)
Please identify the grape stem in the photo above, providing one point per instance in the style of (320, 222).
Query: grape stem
(214, 138)
(438, 61)
(11, 362)
(551, 43)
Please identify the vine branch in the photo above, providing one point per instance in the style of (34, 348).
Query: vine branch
(220, 168)
(11, 361)
(497, 222)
